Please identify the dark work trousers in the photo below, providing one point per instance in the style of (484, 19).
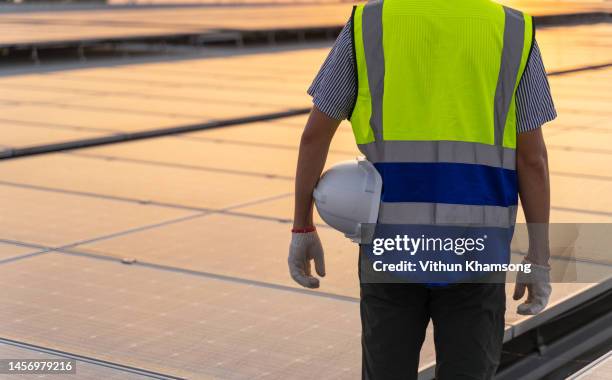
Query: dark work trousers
(468, 322)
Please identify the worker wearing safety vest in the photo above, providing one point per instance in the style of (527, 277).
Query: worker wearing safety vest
(446, 100)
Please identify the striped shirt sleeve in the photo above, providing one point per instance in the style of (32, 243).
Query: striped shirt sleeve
(534, 104)
(334, 89)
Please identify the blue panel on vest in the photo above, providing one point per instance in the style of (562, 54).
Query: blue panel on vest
(467, 184)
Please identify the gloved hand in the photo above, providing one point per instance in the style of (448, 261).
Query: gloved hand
(538, 288)
(305, 247)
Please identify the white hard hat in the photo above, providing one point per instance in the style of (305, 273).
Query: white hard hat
(348, 195)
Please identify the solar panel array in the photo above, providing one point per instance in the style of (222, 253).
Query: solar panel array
(62, 105)
(204, 217)
(44, 28)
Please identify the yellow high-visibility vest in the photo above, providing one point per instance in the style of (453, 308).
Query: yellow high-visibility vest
(435, 110)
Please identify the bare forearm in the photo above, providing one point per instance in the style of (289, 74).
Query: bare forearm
(314, 146)
(311, 161)
(534, 190)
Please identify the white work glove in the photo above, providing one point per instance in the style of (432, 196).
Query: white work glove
(538, 288)
(305, 247)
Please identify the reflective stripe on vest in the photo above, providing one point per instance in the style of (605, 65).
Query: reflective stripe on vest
(435, 110)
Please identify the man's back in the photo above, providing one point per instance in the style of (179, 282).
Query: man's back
(450, 54)
(434, 109)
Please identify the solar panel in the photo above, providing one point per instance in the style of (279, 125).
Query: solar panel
(85, 370)
(8, 250)
(175, 323)
(94, 119)
(239, 247)
(84, 25)
(19, 135)
(53, 218)
(276, 134)
(152, 95)
(231, 157)
(139, 181)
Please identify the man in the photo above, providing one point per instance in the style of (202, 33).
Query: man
(435, 89)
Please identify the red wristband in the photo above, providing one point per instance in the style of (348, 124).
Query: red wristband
(303, 230)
